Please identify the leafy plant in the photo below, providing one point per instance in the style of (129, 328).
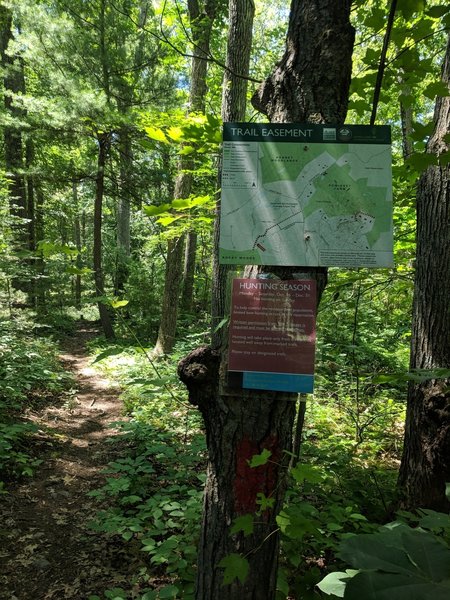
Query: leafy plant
(29, 374)
(396, 563)
(156, 502)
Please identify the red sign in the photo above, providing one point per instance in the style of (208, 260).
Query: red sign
(272, 327)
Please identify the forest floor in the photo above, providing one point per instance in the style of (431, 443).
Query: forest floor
(47, 550)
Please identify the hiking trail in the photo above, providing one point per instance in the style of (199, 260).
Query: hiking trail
(47, 550)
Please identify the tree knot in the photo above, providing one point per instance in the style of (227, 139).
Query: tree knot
(199, 372)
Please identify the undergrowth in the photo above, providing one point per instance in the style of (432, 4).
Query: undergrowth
(344, 485)
(30, 375)
(153, 491)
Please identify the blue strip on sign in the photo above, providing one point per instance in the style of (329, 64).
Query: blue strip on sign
(278, 382)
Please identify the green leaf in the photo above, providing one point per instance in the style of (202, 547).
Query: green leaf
(186, 150)
(420, 161)
(282, 582)
(371, 57)
(48, 249)
(236, 567)
(152, 211)
(401, 563)
(72, 270)
(156, 134)
(409, 7)
(244, 524)
(373, 585)
(375, 18)
(180, 203)
(437, 88)
(264, 502)
(152, 595)
(418, 375)
(175, 133)
(434, 520)
(444, 158)
(421, 131)
(108, 352)
(428, 553)
(307, 473)
(164, 221)
(119, 303)
(375, 551)
(437, 11)
(170, 591)
(294, 523)
(258, 460)
(222, 323)
(201, 200)
(334, 583)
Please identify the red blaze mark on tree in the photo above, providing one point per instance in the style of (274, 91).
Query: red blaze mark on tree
(249, 481)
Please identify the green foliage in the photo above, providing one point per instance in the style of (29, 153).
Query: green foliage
(244, 523)
(396, 562)
(196, 138)
(341, 487)
(335, 494)
(260, 459)
(353, 428)
(14, 458)
(156, 501)
(29, 375)
(236, 567)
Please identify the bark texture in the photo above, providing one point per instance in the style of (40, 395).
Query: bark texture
(311, 81)
(425, 467)
(169, 309)
(233, 488)
(234, 94)
(123, 236)
(104, 143)
(190, 251)
(309, 84)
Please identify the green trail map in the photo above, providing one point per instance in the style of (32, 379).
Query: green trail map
(306, 195)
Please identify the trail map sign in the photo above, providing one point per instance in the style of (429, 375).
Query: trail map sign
(307, 195)
(272, 335)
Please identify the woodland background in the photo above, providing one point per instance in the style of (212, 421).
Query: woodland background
(111, 128)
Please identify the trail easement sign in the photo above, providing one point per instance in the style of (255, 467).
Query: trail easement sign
(307, 195)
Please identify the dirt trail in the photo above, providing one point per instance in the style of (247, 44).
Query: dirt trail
(47, 552)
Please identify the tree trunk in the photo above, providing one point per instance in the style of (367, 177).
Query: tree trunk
(169, 310)
(123, 212)
(105, 318)
(14, 83)
(201, 25)
(40, 263)
(32, 185)
(310, 83)
(425, 466)
(77, 238)
(187, 296)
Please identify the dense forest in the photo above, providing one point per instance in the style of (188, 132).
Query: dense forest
(128, 468)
